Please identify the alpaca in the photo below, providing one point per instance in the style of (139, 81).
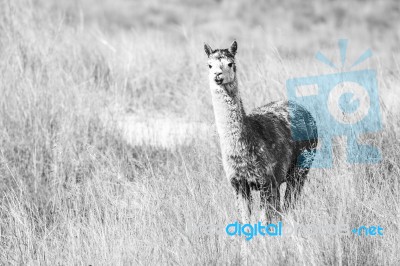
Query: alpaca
(258, 150)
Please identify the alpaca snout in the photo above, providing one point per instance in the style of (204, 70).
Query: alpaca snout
(219, 78)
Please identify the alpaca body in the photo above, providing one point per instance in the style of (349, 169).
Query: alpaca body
(258, 150)
(259, 147)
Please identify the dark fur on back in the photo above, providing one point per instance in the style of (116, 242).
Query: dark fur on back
(268, 138)
(272, 156)
(274, 126)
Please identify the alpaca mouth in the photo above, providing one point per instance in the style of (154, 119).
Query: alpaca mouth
(219, 81)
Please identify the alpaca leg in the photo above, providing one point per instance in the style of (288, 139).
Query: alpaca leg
(288, 195)
(270, 203)
(244, 200)
(294, 186)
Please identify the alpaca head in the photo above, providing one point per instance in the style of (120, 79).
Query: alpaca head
(221, 63)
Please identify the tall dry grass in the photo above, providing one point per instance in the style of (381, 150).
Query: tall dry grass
(73, 191)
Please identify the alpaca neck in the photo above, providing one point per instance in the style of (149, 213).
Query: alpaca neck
(229, 116)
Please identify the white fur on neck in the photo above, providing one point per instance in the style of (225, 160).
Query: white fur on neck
(229, 116)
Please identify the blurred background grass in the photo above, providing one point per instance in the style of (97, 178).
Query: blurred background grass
(74, 191)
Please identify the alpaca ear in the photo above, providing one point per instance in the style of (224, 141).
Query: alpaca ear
(208, 49)
(233, 48)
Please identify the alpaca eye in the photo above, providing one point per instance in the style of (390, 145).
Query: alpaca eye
(209, 66)
(230, 64)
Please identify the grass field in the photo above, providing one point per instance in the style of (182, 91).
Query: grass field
(76, 190)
